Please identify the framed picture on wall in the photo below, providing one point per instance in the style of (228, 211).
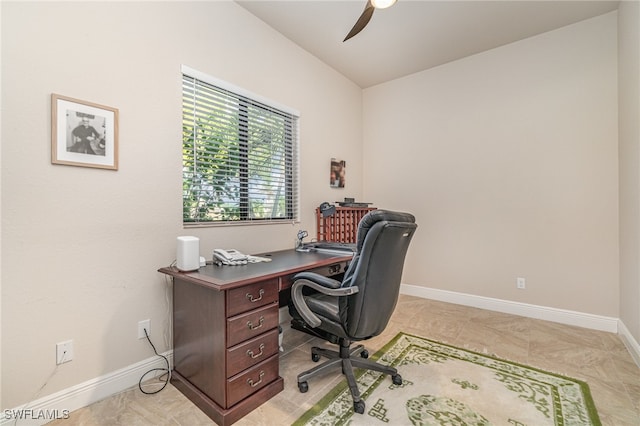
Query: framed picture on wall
(83, 133)
(338, 171)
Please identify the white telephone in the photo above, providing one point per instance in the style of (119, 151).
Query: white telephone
(230, 257)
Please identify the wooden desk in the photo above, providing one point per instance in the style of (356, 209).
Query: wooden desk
(225, 330)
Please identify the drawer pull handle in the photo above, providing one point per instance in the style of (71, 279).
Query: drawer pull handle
(252, 300)
(250, 352)
(252, 384)
(252, 327)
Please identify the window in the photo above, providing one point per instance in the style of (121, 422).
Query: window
(239, 155)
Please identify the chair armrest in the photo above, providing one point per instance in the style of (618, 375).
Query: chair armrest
(300, 304)
(317, 278)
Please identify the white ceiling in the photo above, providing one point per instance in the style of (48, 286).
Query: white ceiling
(413, 35)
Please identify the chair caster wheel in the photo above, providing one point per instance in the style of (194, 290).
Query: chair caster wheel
(364, 354)
(315, 357)
(396, 379)
(358, 407)
(303, 387)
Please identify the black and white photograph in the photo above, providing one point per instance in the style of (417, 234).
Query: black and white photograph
(338, 170)
(83, 133)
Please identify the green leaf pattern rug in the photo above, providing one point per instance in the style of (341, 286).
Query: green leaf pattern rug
(445, 385)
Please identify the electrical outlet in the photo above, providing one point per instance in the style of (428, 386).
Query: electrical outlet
(64, 352)
(142, 325)
(521, 283)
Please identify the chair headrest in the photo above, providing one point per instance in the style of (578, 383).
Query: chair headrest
(375, 216)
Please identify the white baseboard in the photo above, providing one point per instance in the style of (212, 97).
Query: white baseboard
(631, 343)
(61, 403)
(94, 390)
(579, 319)
(54, 406)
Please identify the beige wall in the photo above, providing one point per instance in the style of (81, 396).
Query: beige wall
(629, 154)
(1, 237)
(81, 247)
(508, 159)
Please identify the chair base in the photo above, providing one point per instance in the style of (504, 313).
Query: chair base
(348, 358)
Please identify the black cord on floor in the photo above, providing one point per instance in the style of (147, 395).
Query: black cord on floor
(167, 374)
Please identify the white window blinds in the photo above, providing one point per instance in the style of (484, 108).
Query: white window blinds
(239, 157)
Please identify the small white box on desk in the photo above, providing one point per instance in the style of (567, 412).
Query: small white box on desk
(188, 253)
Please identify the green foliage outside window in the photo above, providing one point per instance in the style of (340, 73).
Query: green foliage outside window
(237, 160)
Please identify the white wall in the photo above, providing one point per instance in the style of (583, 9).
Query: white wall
(1, 237)
(81, 247)
(508, 159)
(629, 155)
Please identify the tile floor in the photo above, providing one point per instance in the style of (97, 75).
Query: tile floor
(599, 358)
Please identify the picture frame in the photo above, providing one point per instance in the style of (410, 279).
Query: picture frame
(83, 133)
(337, 173)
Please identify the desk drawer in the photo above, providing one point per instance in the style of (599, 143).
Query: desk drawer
(246, 354)
(241, 386)
(251, 324)
(252, 296)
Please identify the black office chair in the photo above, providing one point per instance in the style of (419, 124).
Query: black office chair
(358, 307)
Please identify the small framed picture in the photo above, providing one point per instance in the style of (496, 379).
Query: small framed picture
(338, 171)
(83, 133)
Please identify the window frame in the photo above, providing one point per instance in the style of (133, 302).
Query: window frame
(291, 168)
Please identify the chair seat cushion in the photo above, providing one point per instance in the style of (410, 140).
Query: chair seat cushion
(326, 308)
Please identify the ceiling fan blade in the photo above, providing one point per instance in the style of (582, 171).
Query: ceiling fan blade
(362, 21)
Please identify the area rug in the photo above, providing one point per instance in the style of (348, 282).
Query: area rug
(446, 385)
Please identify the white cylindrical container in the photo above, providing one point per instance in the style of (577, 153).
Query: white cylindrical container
(188, 253)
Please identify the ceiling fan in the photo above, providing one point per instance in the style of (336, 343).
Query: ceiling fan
(364, 19)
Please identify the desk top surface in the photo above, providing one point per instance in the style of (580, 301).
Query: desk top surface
(282, 263)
